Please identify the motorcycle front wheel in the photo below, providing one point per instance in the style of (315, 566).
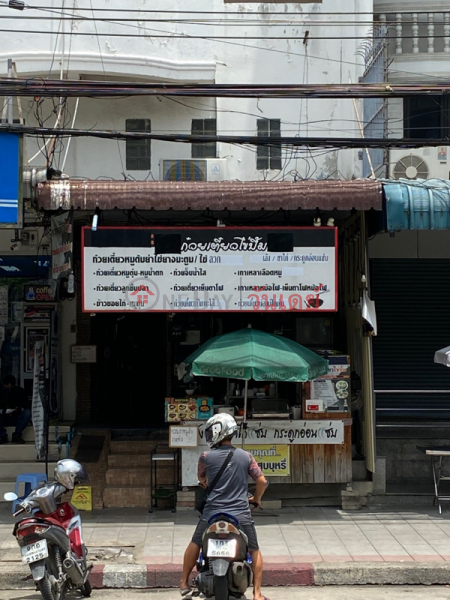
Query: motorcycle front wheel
(221, 587)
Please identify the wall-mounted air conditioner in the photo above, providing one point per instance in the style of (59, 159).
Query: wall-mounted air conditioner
(195, 169)
(420, 163)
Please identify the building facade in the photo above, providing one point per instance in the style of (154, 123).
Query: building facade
(409, 259)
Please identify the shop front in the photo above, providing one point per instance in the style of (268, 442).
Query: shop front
(176, 288)
(410, 277)
(151, 290)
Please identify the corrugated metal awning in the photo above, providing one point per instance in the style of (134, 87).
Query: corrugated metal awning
(361, 194)
(417, 204)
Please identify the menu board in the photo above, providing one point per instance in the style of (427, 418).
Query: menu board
(188, 409)
(209, 269)
(333, 389)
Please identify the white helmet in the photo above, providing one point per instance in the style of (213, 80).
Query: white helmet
(219, 427)
(69, 472)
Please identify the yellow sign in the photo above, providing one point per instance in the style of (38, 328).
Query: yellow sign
(273, 460)
(82, 497)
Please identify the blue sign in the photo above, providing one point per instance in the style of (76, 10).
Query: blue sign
(25, 266)
(9, 183)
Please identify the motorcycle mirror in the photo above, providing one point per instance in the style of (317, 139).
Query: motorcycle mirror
(10, 496)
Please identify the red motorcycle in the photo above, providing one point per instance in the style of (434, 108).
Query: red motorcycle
(51, 539)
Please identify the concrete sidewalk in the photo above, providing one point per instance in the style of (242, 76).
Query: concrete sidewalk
(301, 546)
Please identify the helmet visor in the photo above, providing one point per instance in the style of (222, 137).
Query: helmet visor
(212, 432)
(82, 477)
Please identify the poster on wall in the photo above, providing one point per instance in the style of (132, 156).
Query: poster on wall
(37, 404)
(33, 336)
(62, 245)
(334, 388)
(273, 459)
(209, 269)
(4, 304)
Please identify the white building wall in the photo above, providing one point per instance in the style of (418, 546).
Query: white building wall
(169, 59)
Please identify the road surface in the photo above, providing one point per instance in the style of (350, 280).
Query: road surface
(303, 593)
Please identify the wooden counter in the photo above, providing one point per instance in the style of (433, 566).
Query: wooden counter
(309, 463)
(321, 463)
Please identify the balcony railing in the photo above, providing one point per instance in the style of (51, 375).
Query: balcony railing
(417, 33)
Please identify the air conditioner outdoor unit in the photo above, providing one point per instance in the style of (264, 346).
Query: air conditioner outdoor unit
(195, 169)
(420, 163)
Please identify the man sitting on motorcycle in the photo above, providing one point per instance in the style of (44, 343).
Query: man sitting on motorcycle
(230, 495)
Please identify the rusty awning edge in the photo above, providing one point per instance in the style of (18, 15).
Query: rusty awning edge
(359, 194)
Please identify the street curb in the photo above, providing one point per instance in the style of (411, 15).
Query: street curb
(119, 576)
(375, 573)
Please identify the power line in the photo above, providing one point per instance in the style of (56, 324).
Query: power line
(317, 142)
(176, 36)
(247, 46)
(222, 12)
(37, 87)
(209, 21)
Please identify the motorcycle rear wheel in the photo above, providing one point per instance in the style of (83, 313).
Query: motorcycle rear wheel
(86, 589)
(221, 591)
(49, 591)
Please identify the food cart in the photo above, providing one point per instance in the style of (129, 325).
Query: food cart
(313, 447)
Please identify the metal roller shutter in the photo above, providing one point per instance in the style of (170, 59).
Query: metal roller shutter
(413, 311)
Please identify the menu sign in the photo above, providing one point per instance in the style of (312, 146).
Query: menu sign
(209, 269)
(334, 388)
(188, 409)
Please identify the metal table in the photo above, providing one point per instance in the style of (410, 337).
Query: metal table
(437, 453)
(165, 491)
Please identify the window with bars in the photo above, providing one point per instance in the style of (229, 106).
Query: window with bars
(204, 127)
(269, 156)
(138, 152)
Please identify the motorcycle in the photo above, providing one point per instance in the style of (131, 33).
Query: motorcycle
(224, 563)
(51, 540)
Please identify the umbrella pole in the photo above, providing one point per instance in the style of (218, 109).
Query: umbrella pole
(244, 422)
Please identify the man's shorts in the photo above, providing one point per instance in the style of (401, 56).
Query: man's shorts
(247, 528)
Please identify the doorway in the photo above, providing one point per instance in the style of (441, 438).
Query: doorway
(129, 385)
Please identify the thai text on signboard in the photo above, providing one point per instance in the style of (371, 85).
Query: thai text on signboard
(287, 432)
(232, 269)
(273, 459)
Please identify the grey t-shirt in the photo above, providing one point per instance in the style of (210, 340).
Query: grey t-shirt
(230, 494)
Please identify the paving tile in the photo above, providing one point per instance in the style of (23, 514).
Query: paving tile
(306, 558)
(397, 558)
(427, 558)
(336, 558)
(367, 558)
(279, 559)
(12, 555)
(157, 560)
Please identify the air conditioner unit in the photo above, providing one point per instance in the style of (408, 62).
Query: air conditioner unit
(196, 169)
(420, 163)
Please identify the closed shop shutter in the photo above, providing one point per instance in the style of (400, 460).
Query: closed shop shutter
(413, 311)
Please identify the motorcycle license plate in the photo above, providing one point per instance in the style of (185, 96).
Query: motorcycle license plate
(222, 548)
(34, 552)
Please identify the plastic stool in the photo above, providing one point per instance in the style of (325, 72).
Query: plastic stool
(31, 481)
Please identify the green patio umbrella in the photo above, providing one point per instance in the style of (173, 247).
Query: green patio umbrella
(253, 354)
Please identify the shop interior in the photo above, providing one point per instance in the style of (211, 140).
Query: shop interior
(138, 355)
